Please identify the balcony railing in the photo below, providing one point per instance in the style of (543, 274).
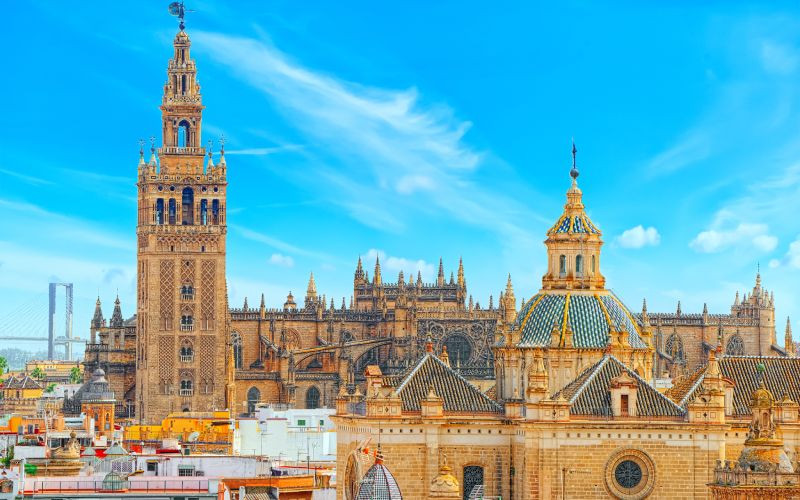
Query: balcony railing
(187, 296)
(187, 358)
(187, 328)
(186, 392)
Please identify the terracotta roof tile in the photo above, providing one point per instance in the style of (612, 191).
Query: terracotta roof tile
(458, 395)
(589, 393)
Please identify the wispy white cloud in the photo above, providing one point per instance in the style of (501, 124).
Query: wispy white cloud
(264, 151)
(779, 58)
(744, 234)
(792, 257)
(690, 149)
(638, 237)
(281, 260)
(37, 181)
(277, 243)
(392, 264)
(398, 150)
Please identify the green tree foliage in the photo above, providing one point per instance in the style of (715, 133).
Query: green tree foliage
(50, 388)
(3, 365)
(75, 375)
(37, 373)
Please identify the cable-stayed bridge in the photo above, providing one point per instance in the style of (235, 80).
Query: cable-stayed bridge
(35, 321)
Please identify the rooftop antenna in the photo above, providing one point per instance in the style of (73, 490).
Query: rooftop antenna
(178, 10)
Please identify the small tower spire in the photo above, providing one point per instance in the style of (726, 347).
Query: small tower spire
(376, 278)
(359, 274)
(311, 291)
(97, 319)
(788, 340)
(116, 316)
(574, 171)
(440, 276)
(461, 282)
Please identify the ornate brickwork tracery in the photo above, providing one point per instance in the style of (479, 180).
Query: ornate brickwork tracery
(167, 294)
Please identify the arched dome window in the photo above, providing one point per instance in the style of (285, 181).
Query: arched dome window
(579, 264)
(562, 265)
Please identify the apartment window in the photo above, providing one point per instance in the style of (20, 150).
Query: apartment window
(152, 466)
(186, 470)
(301, 423)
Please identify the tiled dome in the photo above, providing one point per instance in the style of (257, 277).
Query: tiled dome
(591, 317)
(378, 484)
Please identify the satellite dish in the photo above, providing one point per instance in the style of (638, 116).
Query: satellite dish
(176, 9)
(193, 437)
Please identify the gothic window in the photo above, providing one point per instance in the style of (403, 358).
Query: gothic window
(187, 292)
(204, 212)
(473, 478)
(187, 351)
(459, 350)
(674, 347)
(236, 340)
(160, 211)
(312, 398)
(187, 385)
(183, 134)
(215, 212)
(735, 346)
(172, 211)
(253, 397)
(187, 206)
(579, 264)
(562, 265)
(187, 323)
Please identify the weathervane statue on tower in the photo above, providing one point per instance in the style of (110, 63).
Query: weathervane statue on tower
(177, 9)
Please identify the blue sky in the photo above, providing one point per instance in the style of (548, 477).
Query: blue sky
(413, 130)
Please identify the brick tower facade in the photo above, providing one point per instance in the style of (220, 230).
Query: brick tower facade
(182, 310)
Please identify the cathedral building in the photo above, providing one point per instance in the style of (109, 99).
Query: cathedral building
(185, 349)
(575, 412)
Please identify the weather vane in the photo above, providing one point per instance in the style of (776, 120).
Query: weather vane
(178, 10)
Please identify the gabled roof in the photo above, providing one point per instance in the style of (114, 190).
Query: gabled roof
(781, 376)
(589, 393)
(24, 382)
(458, 395)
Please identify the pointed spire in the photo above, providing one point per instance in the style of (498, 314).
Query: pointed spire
(440, 276)
(574, 171)
(245, 307)
(678, 312)
(758, 276)
(461, 282)
(116, 316)
(471, 305)
(263, 303)
(401, 280)
(705, 309)
(141, 153)
(359, 270)
(210, 155)
(351, 302)
(344, 304)
(97, 319)
(491, 302)
(332, 306)
(376, 279)
(452, 278)
(788, 333)
(311, 291)
(720, 333)
(509, 286)
(153, 159)
(222, 149)
(736, 300)
(645, 316)
(419, 278)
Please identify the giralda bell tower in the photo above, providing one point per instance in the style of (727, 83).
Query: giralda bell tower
(182, 310)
